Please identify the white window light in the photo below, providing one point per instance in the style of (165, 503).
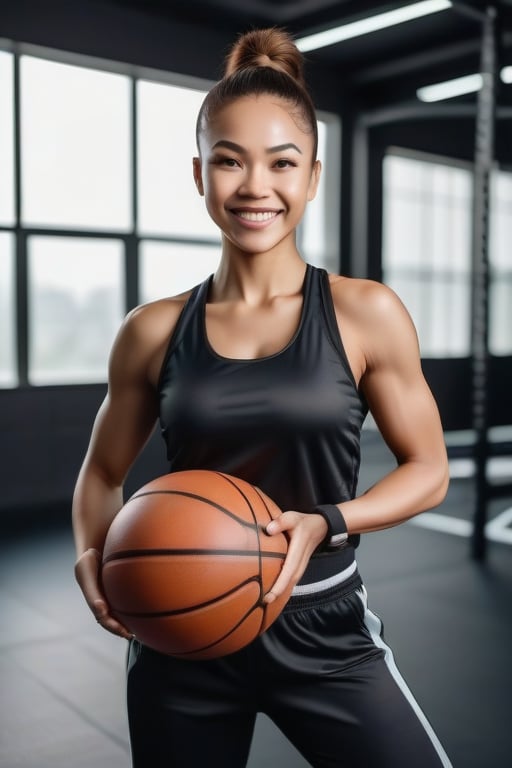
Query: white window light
(458, 86)
(506, 74)
(371, 24)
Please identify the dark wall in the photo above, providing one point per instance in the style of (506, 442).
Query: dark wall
(107, 31)
(450, 381)
(44, 433)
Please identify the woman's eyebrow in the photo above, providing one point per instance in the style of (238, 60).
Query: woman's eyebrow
(271, 150)
(282, 148)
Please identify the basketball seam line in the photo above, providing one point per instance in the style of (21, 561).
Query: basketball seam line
(260, 563)
(127, 553)
(197, 496)
(258, 493)
(224, 637)
(190, 609)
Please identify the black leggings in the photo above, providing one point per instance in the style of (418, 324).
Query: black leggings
(322, 673)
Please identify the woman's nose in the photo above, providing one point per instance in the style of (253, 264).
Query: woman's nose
(254, 183)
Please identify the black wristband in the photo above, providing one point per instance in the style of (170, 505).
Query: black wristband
(337, 533)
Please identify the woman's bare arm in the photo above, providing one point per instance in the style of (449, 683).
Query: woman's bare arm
(406, 414)
(122, 426)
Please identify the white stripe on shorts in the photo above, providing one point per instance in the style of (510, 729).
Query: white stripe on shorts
(374, 626)
(320, 586)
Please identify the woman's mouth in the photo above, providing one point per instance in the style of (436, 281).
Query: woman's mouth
(255, 217)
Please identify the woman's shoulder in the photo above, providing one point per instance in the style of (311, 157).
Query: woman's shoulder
(365, 300)
(143, 337)
(374, 318)
(157, 318)
(355, 288)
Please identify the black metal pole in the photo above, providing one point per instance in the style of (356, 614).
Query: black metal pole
(484, 155)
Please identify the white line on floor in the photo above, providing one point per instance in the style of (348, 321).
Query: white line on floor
(498, 529)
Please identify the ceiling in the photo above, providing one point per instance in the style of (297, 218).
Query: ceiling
(379, 68)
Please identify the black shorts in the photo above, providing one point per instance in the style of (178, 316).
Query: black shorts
(322, 673)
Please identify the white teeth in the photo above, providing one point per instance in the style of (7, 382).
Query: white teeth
(256, 216)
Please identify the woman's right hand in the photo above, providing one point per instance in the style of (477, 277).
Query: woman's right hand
(87, 570)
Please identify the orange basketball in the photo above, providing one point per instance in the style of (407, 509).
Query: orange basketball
(187, 562)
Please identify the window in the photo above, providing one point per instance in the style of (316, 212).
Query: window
(76, 299)
(427, 252)
(7, 188)
(171, 268)
(75, 145)
(500, 239)
(110, 216)
(7, 311)
(168, 201)
(319, 232)
(8, 375)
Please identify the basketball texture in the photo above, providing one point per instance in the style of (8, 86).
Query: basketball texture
(187, 562)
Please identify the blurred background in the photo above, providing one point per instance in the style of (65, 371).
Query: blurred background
(98, 213)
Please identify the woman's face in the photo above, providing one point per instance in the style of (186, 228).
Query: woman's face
(256, 172)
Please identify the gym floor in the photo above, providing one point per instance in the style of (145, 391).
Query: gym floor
(448, 619)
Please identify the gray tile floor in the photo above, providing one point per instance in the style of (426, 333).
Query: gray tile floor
(62, 691)
(448, 619)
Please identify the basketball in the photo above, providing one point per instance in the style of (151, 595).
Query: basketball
(187, 562)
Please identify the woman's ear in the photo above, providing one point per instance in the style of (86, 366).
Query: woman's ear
(315, 178)
(198, 175)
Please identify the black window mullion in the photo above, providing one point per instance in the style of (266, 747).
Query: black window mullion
(22, 309)
(21, 269)
(131, 271)
(132, 241)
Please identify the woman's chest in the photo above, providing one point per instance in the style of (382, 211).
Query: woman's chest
(211, 396)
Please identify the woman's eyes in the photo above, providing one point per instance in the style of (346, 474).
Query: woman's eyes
(284, 163)
(231, 162)
(225, 162)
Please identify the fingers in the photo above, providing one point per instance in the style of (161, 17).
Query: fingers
(305, 533)
(290, 574)
(87, 570)
(293, 568)
(104, 619)
(273, 527)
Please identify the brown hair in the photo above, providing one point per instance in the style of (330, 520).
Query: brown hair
(263, 61)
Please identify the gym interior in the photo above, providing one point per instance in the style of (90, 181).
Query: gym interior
(97, 106)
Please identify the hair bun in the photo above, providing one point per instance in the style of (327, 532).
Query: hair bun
(271, 47)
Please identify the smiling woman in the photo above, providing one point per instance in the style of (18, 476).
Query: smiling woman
(256, 191)
(265, 371)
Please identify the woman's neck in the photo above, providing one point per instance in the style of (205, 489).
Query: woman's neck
(256, 278)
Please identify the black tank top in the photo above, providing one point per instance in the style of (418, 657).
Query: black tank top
(289, 423)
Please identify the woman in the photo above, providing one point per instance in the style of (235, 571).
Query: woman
(266, 371)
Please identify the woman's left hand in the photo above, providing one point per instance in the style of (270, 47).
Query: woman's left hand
(305, 532)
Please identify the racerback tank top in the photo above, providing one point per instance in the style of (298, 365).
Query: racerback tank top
(288, 423)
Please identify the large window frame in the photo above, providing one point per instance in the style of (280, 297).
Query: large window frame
(428, 284)
(133, 239)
